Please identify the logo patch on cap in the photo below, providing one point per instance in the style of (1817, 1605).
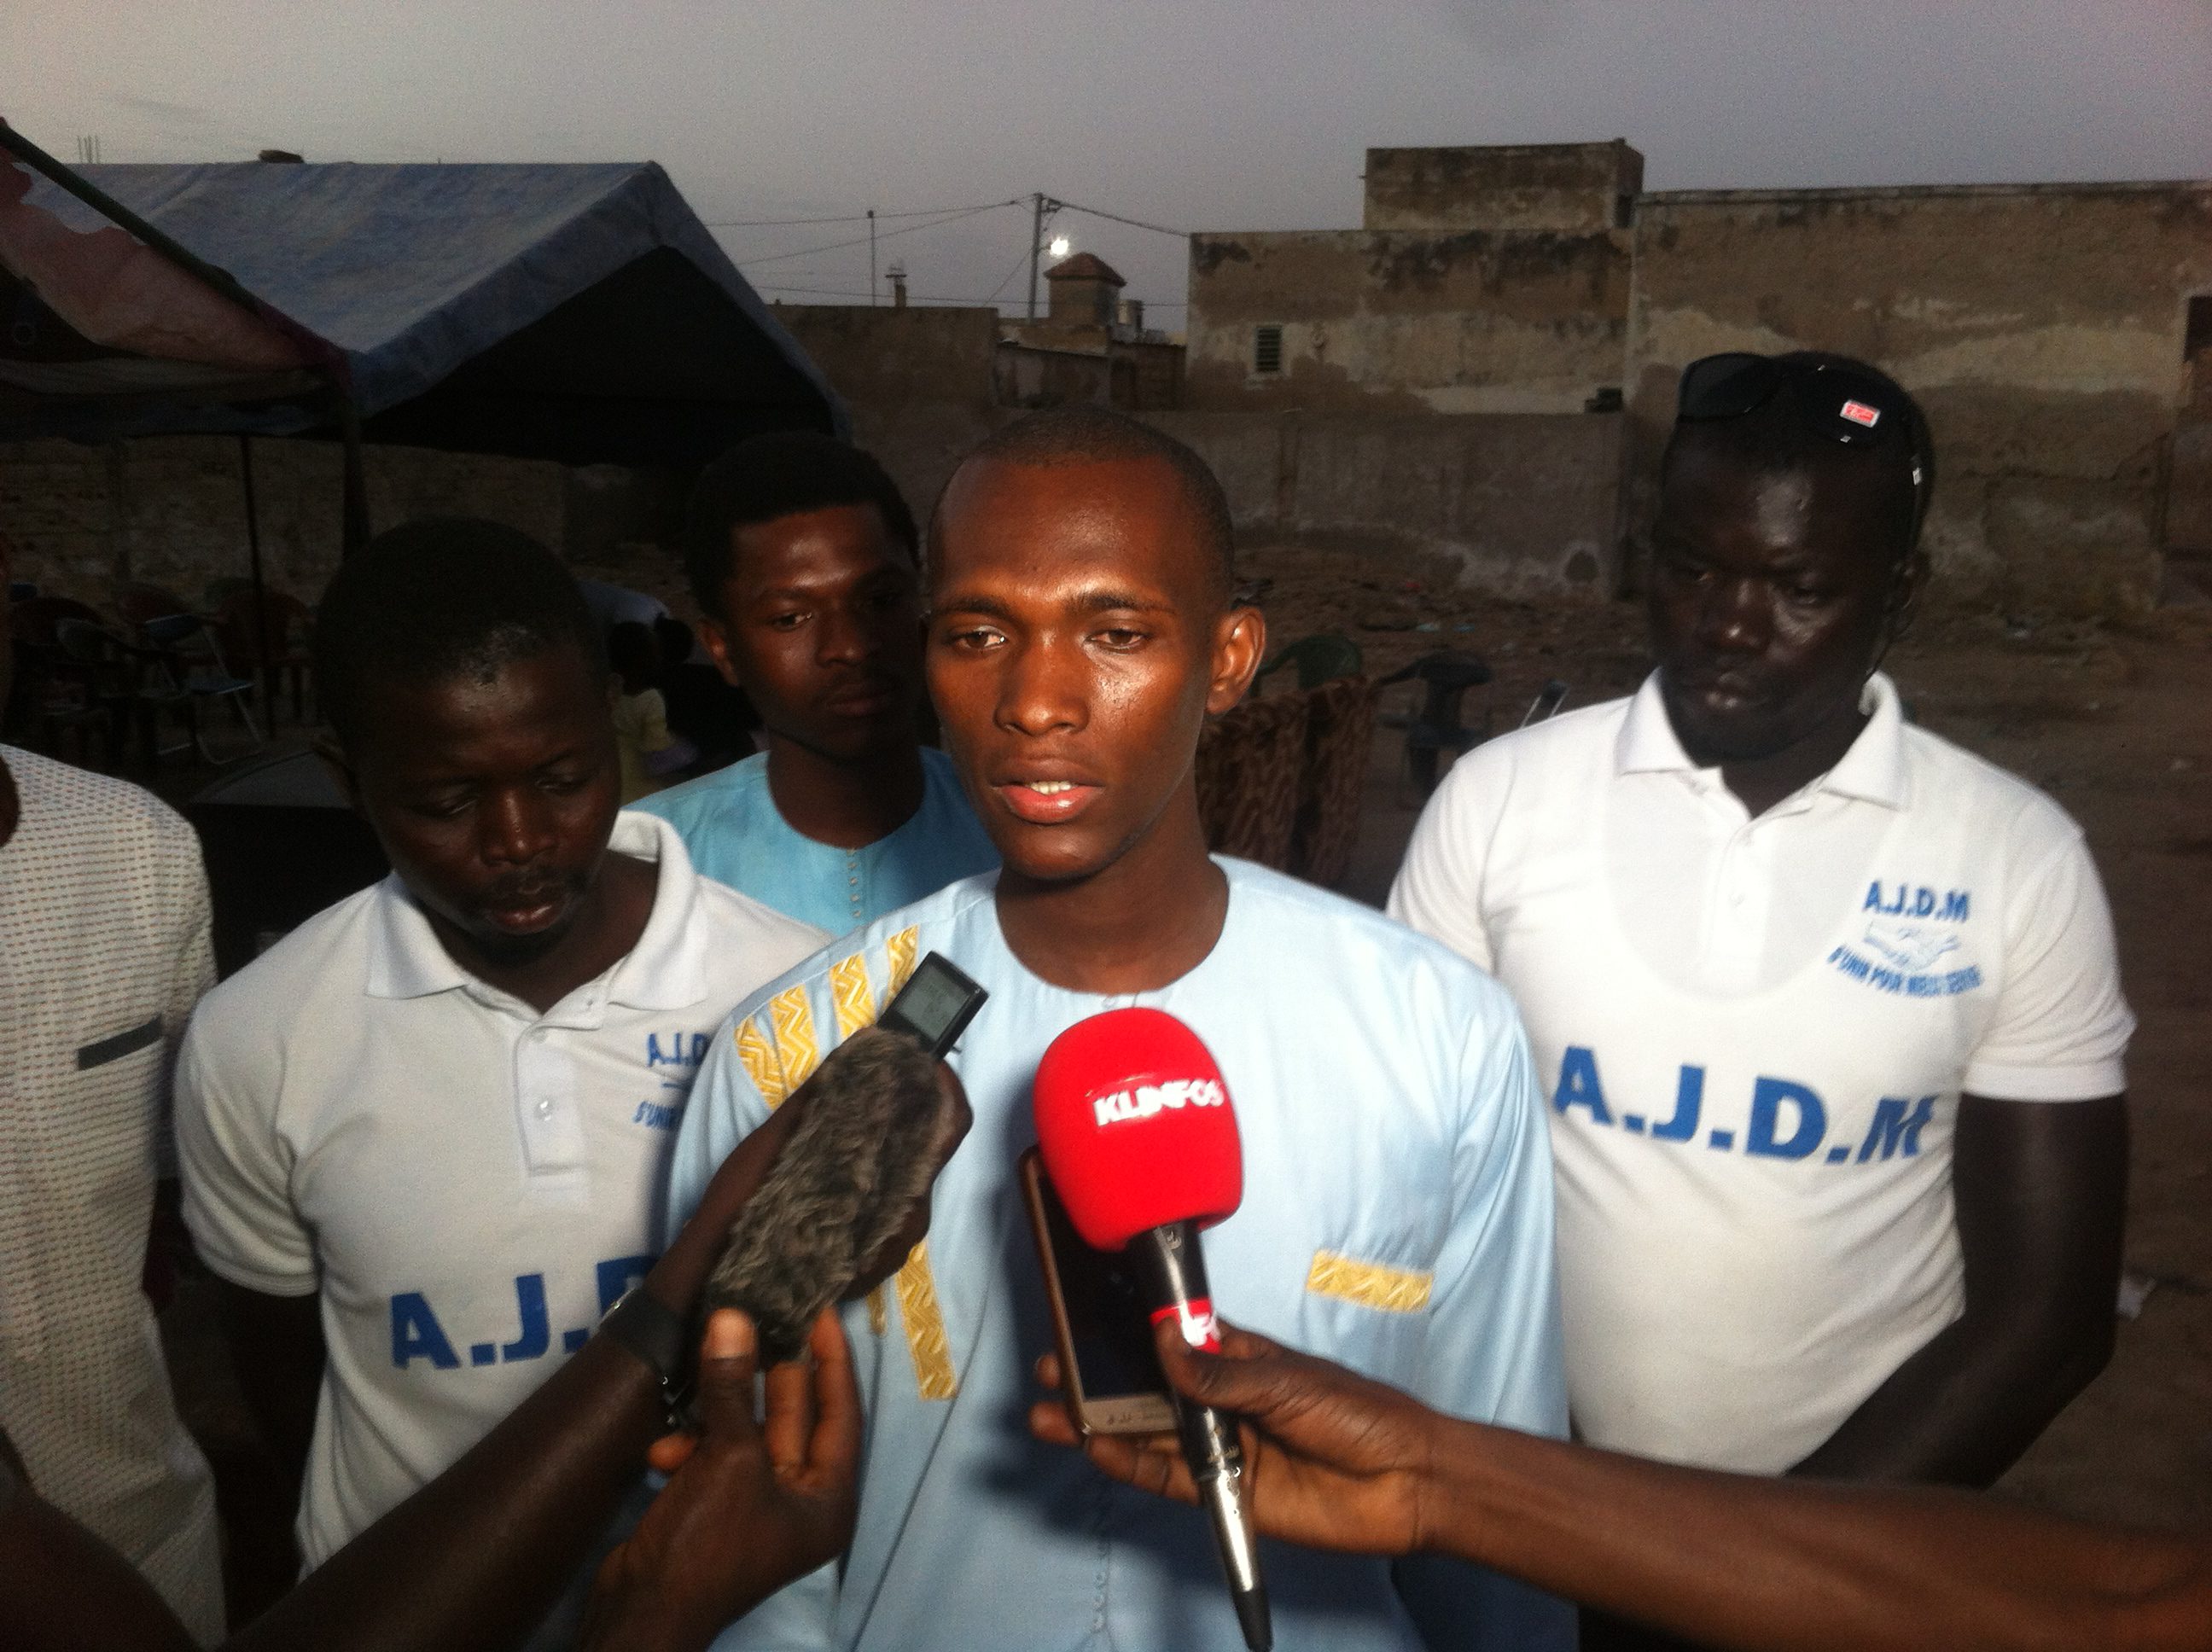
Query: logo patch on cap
(1860, 413)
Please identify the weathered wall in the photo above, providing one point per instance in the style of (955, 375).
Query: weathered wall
(1039, 376)
(169, 510)
(886, 355)
(1525, 504)
(1410, 321)
(2189, 484)
(2041, 327)
(1570, 188)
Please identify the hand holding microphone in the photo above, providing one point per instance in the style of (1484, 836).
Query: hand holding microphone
(1139, 1140)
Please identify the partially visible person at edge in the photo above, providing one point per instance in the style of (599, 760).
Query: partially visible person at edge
(103, 950)
(1741, 1563)
(469, 1562)
(803, 557)
(1829, 1006)
(713, 716)
(424, 1137)
(1397, 1208)
(642, 742)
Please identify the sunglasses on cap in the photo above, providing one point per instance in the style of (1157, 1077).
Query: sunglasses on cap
(1847, 406)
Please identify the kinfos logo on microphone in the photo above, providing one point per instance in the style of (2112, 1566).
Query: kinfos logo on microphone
(1146, 1100)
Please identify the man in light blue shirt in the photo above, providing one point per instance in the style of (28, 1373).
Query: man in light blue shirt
(802, 555)
(1397, 1214)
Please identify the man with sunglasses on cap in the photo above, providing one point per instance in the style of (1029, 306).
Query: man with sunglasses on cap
(1827, 1007)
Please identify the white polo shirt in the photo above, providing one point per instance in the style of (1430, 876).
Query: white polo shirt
(1755, 1034)
(468, 1183)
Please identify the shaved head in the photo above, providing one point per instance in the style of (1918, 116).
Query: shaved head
(1096, 435)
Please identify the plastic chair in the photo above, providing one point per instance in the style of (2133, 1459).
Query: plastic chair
(1317, 659)
(1545, 706)
(139, 604)
(221, 589)
(1437, 726)
(289, 623)
(190, 672)
(113, 672)
(34, 619)
(47, 686)
(68, 698)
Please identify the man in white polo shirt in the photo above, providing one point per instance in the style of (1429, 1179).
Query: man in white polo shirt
(427, 1131)
(1827, 1006)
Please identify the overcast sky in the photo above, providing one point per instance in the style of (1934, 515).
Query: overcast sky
(1200, 114)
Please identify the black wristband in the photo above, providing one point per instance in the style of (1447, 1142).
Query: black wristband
(660, 1339)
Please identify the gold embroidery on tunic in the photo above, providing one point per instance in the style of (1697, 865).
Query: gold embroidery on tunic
(1392, 1290)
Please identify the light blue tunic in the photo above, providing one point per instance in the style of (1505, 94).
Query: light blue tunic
(731, 827)
(1397, 1216)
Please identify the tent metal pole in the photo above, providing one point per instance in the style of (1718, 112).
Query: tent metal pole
(260, 591)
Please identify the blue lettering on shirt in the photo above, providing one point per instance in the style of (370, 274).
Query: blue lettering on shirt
(1894, 1131)
(530, 1308)
(417, 1335)
(1579, 1086)
(1809, 1120)
(618, 1275)
(1689, 1097)
(1908, 901)
(1905, 983)
(1788, 1120)
(680, 1049)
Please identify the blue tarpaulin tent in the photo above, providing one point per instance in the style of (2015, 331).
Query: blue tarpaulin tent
(580, 312)
(576, 312)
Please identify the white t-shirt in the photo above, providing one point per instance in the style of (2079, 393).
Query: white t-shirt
(103, 950)
(1755, 1034)
(470, 1184)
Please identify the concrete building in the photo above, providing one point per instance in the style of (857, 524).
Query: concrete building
(2047, 327)
(2043, 327)
(1090, 347)
(1085, 291)
(1481, 280)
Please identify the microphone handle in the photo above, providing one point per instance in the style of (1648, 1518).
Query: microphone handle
(1174, 1272)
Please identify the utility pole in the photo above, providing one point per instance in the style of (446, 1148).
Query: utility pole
(871, 255)
(1037, 244)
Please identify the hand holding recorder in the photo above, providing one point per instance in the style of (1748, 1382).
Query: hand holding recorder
(849, 1195)
(1137, 1136)
(1337, 1461)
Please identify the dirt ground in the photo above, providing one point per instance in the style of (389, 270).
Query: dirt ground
(2115, 723)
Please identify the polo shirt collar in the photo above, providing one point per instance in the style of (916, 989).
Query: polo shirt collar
(1874, 770)
(666, 970)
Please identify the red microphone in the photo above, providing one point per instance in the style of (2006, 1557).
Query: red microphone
(1139, 1140)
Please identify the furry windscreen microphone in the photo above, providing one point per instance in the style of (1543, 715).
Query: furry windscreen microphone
(852, 1175)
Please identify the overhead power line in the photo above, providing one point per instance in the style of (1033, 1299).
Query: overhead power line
(932, 298)
(863, 240)
(839, 218)
(1135, 223)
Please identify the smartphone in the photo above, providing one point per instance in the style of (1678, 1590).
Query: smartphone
(1108, 1371)
(935, 1005)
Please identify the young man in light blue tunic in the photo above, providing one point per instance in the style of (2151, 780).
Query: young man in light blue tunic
(802, 555)
(1397, 1212)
